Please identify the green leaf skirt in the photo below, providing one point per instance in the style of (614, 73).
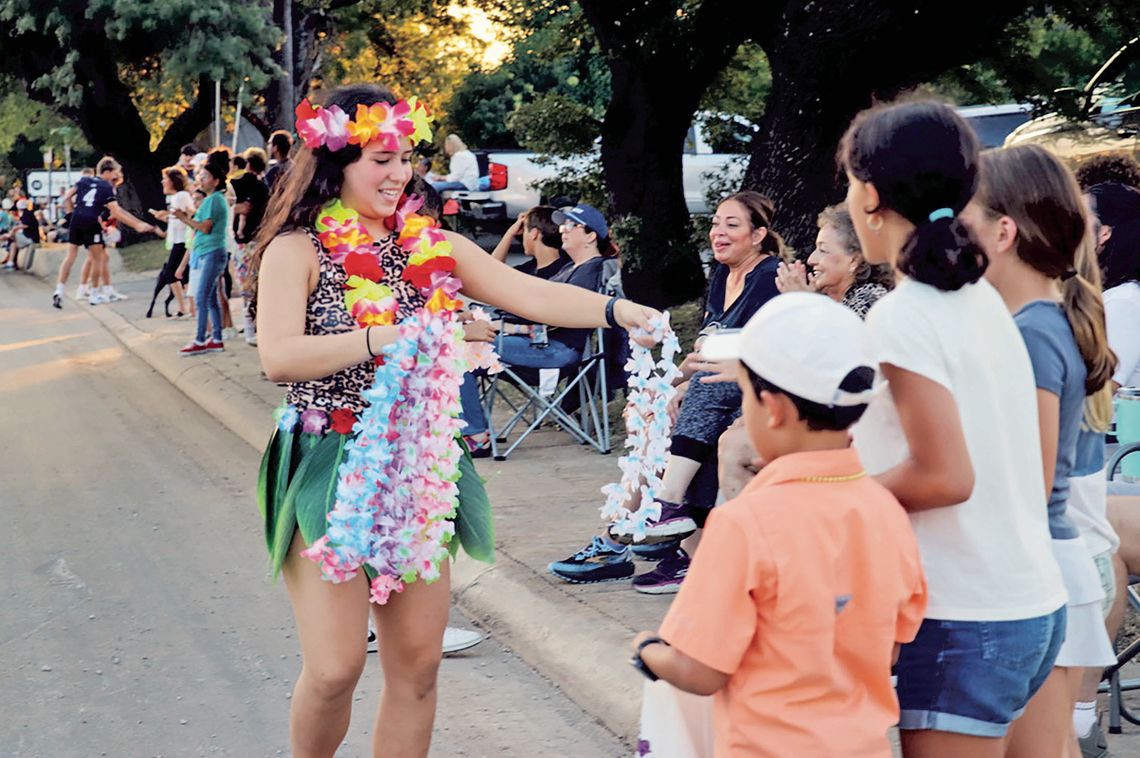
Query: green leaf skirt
(296, 489)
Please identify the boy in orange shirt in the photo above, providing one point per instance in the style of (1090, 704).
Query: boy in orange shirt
(805, 584)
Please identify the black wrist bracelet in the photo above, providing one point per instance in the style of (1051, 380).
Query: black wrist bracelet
(368, 340)
(610, 312)
(639, 663)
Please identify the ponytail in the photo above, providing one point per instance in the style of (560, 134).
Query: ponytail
(1084, 308)
(1031, 186)
(942, 253)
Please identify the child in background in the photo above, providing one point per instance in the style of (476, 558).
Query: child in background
(806, 583)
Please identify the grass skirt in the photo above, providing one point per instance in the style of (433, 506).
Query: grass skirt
(296, 489)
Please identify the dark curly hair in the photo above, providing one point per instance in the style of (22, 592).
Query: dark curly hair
(1117, 167)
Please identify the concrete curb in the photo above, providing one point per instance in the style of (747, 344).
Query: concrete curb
(557, 634)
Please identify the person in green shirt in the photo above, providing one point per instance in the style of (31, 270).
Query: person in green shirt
(208, 254)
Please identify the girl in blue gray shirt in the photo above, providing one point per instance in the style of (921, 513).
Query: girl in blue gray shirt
(1031, 220)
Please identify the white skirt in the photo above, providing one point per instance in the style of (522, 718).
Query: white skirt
(1086, 640)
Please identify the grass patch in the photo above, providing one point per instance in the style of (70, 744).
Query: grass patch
(144, 256)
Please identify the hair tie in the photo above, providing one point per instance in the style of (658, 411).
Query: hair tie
(1068, 275)
(941, 213)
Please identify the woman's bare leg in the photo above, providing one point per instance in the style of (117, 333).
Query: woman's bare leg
(332, 626)
(927, 743)
(1045, 728)
(410, 631)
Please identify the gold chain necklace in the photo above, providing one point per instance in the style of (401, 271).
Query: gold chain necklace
(831, 479)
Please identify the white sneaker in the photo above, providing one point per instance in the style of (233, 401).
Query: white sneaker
(98, 299)
(455, 639)
(114, 296)
(229, 333)
(82, 291)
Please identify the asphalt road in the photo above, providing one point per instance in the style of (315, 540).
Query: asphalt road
(137, 618)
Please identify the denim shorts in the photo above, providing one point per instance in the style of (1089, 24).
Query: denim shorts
(975, 677)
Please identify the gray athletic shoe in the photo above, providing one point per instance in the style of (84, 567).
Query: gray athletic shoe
(1094, 745)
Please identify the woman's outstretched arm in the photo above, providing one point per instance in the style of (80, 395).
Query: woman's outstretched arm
(490, 281)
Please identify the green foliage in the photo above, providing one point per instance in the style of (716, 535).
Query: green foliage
(1041, 55)
(557, 57)
(742, 88)
(554, 124)
(187, 38)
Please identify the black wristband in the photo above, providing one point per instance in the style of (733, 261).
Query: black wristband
(610, 312)
(368, 340)
(639, 663)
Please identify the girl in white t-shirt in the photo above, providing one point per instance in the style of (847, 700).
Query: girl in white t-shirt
(1033, 224)
(953, 435)
(174, 183)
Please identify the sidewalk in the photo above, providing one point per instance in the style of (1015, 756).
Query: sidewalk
(545, 497)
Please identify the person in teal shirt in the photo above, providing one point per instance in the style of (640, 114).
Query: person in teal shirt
(208, 254)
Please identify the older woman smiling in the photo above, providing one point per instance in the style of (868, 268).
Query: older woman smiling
(838, 269)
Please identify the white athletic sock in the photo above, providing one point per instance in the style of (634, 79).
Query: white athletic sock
(1084, 717)
(107, 289)
(59, 288)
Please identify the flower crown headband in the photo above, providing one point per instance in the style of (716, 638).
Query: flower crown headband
(380, 122)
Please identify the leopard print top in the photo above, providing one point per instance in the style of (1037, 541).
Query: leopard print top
(325, 313)
(861, 297)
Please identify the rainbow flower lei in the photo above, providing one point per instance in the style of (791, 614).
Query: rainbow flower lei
(648, 427)
(397, 485)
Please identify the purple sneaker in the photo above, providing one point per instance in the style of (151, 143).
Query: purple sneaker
(666, 578)
(673, 522)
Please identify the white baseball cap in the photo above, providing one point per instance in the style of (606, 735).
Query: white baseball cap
(804, 343)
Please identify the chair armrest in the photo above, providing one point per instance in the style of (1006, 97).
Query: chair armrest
(1121, 453)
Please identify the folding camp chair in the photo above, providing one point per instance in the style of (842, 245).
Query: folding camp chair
(1114, 685)
(588, 425)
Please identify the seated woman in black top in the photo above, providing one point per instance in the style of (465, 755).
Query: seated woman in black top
(747, 253)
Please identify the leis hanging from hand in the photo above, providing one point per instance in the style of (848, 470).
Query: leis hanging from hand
(648, 427)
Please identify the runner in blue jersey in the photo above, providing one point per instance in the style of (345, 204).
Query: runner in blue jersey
(91, 198)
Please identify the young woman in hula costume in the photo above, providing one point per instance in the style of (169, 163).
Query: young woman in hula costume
(365, 481)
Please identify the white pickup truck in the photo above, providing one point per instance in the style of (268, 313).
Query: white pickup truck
(511, 174)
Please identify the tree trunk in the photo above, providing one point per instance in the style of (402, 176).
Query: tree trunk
(793, 160)
(279, 100)
(642, 138)
(828, 63)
